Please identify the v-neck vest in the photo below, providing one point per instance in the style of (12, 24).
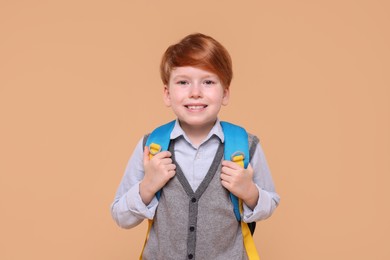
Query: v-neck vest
(196, 224)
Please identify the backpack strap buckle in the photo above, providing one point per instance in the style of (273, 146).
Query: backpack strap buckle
(154, 149)
(238, 157)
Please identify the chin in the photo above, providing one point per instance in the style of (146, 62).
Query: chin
(200, 123)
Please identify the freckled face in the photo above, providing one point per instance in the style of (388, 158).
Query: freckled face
(195, 96)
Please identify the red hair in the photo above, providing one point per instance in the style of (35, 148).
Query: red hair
(200, 51)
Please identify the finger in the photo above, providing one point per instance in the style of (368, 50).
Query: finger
(225, 184)
(227, 170)
(166, 161)
(231, 165)
(164, 154)
(225, 177)
(172, 173)
(146, 155)
(171, 167)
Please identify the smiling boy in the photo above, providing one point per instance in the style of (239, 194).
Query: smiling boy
(194, 216)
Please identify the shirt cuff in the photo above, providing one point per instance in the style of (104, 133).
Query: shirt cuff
(261, 209)
(137, 206)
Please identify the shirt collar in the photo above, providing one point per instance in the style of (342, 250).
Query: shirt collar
(216, 130)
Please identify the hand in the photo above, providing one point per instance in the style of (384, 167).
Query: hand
(239, 181)
(158, 171)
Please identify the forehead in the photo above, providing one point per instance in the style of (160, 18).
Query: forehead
(189, 71)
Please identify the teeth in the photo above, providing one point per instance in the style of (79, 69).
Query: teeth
(195, 107)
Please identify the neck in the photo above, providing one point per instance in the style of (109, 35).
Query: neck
(197, 134)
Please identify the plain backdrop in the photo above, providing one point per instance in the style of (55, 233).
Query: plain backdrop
(79, 86)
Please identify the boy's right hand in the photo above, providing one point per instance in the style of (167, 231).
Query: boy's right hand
(158, 171)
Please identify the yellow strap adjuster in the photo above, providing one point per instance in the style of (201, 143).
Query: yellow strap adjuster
(154, 149)
(249, 244)
(238, 157)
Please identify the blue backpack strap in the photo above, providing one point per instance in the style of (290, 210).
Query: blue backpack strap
(236, 149)
(159, 141)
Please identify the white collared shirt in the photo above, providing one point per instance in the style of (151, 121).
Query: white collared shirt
(128, 210)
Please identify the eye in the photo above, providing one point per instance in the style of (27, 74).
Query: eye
(209, 82)
(182, 82)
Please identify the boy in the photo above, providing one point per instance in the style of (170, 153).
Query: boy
(194, 216)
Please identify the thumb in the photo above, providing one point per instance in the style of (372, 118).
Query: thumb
(249, 169)
(146, 155)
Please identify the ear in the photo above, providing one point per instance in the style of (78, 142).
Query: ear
(167, 96)
(226, 95)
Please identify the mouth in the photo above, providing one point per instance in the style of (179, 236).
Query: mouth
(195, 107)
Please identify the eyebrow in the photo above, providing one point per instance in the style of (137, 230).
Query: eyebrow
(187, 76)
(180, 76)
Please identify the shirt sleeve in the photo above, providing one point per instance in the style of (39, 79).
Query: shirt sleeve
(128, 209)
(268, 198)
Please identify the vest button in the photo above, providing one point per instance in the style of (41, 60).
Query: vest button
(192, 229)
(190, 256)
(193, 200)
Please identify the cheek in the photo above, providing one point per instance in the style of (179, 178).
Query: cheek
(219, 96)
(177, 96)
(173, 100)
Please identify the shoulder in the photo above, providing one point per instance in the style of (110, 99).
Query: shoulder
(145, 138)
(253, 141)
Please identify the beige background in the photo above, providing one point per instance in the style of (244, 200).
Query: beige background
(79, 85)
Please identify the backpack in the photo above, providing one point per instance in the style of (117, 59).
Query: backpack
(236, 149)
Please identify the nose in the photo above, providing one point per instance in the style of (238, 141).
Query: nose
(196, 90)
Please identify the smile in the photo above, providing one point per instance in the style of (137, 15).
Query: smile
(196, 107)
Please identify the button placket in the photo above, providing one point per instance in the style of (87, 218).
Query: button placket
(193, 212)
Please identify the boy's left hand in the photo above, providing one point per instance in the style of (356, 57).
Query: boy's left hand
(239, 181)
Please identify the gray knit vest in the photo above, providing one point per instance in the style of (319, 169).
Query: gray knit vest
(196, 225)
